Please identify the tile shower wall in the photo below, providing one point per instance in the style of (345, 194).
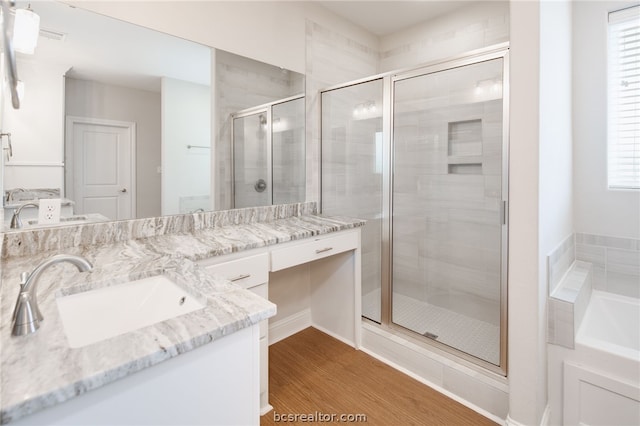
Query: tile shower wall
(468, 28)
(447, 220)
(288, 152)
(352, 171)
(250, 157)
(242, 83)
(616, 262)
(331, 58)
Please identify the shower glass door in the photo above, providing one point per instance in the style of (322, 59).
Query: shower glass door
(352, 167)
(447, 206)
(288, 151)
(251, 160)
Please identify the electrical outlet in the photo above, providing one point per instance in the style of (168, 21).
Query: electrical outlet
(49, 210)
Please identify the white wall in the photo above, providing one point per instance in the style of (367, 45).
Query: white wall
(556, 155)
(527, 365)
(86, 98)
(186, 114)
(598, 210)
(37, 128)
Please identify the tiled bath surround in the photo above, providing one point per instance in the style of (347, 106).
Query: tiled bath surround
(569, 286)
(568, 304)
(616, 262)
(559, 261)
(583, 262)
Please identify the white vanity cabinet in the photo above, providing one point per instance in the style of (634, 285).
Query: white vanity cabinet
(189, 389)
(327, 270)
(252, 273)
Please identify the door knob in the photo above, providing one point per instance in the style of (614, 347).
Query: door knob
(123, 190)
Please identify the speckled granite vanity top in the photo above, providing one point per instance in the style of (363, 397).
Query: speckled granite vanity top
(41, 370)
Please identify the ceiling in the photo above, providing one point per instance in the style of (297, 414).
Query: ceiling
(96, 47)
(387, 17)
(92, 55)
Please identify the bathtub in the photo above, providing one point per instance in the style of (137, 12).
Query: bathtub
(602, 374)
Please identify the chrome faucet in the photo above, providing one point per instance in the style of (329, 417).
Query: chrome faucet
(13, 191)
(16, 222)
(26, 314)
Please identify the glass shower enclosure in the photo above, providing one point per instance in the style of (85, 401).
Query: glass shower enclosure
(268, 149)
(422, 155)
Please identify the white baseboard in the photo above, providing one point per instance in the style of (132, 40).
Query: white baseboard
(264, 410)
(289, 326)
(544, 421)
(335, 336)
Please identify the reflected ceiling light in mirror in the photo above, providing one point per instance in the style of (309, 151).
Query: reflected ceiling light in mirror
(479, 90)
(489, 88)
(26, 29)
(365, 110)
(279, 125)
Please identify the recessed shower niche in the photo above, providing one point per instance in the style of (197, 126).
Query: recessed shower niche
(464, 147)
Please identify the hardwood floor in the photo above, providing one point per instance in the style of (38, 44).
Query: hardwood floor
(311, 372)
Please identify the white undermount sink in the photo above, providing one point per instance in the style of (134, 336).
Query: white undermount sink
(92, 316)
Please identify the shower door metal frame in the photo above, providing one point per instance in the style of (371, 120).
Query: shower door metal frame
(502, 53)
(499, 51)
(268, 110)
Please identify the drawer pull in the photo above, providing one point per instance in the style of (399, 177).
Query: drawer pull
(240, 277)
(323, 250)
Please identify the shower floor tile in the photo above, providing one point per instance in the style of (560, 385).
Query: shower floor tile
(475, 337)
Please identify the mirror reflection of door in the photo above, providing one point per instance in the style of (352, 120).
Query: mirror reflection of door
(102, 175)
(251, 161)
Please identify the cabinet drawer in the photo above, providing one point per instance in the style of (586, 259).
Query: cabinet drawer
(318, 248)
(246, 272)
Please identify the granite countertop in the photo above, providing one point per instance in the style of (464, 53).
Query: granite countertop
(41, 370)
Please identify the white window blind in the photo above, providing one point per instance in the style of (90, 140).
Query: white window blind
(624, 99)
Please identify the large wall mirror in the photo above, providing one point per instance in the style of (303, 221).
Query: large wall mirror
(122, 122)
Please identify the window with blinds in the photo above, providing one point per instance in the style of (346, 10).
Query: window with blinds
(624, 99)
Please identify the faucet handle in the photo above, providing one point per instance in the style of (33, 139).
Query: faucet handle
(23, 279)
(25, 317)
(33, 304)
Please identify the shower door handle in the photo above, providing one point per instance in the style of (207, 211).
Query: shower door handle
(503, 212)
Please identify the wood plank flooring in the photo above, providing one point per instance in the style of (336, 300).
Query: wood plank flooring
(311, 372)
